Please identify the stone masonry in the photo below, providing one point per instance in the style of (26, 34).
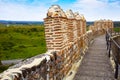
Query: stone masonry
(66, 39)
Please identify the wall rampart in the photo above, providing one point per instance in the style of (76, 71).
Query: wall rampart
(67, 41)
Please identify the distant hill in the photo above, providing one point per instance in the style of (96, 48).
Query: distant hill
(20, 22)
(89, 23)
(116, 23)
(29, 22)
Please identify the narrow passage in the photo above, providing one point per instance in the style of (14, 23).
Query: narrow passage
(96, 63)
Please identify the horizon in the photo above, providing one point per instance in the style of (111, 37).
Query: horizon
(39, 21)
(36, 10)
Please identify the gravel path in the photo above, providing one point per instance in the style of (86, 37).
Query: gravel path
(96, 64)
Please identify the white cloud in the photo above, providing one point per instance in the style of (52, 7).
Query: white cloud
(115, 4)
(89, 4)
(28, 10)
(15, 11)
(97, 9)
(36, 9)
(54, 0)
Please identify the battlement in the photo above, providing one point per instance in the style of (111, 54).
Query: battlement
(67, 41)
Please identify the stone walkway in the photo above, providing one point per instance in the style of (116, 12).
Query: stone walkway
(96, 64)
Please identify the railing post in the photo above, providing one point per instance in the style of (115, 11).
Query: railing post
(109, 47)
(116, 69)
(107, 40)
(108, 43)
(116, 64)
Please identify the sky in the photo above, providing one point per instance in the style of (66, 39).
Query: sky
(36, 10)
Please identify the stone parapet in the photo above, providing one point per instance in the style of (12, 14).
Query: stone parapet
(66, 40)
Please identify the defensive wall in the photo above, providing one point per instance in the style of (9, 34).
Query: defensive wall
(67, 41)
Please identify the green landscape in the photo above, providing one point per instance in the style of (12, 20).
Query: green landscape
(21, 41)
(117, 29)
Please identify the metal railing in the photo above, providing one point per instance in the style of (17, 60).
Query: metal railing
(114, 47)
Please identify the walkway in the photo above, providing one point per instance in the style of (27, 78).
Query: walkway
(96, 64)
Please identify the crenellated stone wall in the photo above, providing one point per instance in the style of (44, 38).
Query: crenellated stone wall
(67, 41)
(100, 26)
(62, 28)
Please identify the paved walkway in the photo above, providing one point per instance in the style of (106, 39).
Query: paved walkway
(96, 64)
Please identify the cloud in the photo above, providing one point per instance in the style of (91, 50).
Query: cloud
(98, 9)
(115, 4)
(54, 0)
(36, 9)
(89, 4)
(21, 11)
(109, 1)
(93, 4)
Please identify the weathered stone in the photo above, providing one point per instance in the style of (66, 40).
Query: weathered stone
(70, 14)
(66, 41)
(55, 11)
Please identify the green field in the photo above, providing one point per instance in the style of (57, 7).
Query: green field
(21, 41)
(117, 29)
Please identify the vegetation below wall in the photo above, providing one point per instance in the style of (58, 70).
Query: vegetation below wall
(21, 41)
(117, 29)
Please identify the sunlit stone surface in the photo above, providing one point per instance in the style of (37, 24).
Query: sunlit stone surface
(55, 11)
(70, 14)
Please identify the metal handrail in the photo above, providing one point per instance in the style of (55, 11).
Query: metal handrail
(113, 40)
(116, 58)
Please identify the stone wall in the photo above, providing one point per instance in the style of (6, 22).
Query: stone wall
(67, 41)
(100, 27)
(103, 25)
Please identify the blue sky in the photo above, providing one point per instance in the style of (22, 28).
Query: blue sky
(35, 10)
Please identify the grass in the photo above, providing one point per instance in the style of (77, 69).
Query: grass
(4, 67)
(21, 41)
(117, 29)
